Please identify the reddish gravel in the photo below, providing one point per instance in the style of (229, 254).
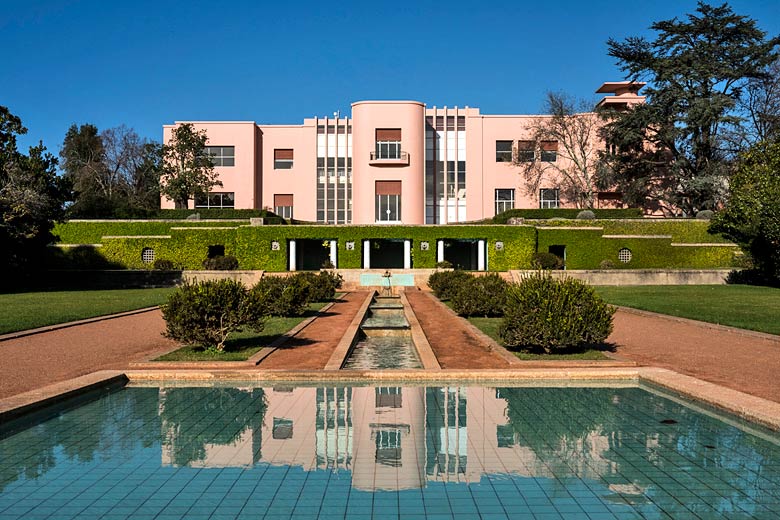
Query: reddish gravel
(746, 363)
(313, 346)
(34, 361)
(454, 344)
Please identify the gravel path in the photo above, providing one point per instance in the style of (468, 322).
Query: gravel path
(34, 361)
(746, 363)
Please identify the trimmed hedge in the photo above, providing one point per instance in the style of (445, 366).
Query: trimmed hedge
(502, 218)
(685, 231)
(188, 246)
(587, 249)
(205, 213)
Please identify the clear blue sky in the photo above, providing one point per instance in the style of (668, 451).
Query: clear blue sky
(147, 63)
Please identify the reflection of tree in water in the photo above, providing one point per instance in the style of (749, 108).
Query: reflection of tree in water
(617, 436)
(194, 417)
(115, 424)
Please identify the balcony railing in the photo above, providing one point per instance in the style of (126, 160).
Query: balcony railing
(399, 158)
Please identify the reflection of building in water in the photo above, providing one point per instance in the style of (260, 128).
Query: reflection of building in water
(388, 437)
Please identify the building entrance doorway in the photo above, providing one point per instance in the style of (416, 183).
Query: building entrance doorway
(387, 254)
(462, 254)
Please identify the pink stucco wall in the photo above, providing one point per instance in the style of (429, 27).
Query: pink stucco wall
(300, 180)
(367, 117)
(240, 178)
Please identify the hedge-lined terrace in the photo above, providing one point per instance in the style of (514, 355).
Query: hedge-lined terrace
(588, 243)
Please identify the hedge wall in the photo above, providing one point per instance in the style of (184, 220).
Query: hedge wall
(586, 249)
(205, 213)
(502, 218)
(686, 231)
(92, 232)
(252, 244)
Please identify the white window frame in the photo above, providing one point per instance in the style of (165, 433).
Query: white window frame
(504, 204)
(221, 195)
(393, 209)
(388, 149)
(546, 202)
(222, 156)
(286, 212)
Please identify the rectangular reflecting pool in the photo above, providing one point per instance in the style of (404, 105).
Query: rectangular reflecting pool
(410, 452)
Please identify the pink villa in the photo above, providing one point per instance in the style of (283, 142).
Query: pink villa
(392, 162)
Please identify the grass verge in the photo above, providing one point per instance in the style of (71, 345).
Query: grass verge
(743, 306)
(240, 346)
(30, 310)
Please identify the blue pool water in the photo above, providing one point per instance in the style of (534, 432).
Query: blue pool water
(387, 452)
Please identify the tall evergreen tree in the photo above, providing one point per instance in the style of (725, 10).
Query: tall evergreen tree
(670, 152)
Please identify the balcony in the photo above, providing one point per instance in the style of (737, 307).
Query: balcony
(389, 159)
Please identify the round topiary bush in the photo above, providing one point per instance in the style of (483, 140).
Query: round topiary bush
(551, 315)
(586, 214)
(445, 283)
(481, 296)
(205, 313)
(544, 260)
(162, 264)
(606, 264)
(705, 214)
(444, 264)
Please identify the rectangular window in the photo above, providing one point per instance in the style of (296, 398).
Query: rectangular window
(388, 143)
(503, 151)
(283, 158)
(505, 199)
(549, 198)
(549, 151)
(283, 206)
(221, 155)
(525, 151)
(216, 200)
(388, 201)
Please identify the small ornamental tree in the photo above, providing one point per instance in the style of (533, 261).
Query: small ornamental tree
(187, 171)
(550, 315)
(206, 313)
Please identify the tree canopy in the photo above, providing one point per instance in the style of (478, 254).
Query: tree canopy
(32, 198)
(751, 217)
(670, 153)
(187, 170)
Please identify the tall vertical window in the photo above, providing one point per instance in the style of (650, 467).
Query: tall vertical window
(505, 199)
(388, 143)
(388, 201)
(221, 155)
(283, 206)
(503, 151)
(283, 158)
(216, 200)
(549, 151)
(525, 151)
(549, 198)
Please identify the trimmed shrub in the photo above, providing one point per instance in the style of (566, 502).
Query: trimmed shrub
(586, 214)
(162, 264)
(323, 285)
(481, 296)
(221, 263)
(565, 213)
(444, 264)
(544, 260)
(705, 214)
(550, 315)
(206, 313)
(445, 283)
(283, 295)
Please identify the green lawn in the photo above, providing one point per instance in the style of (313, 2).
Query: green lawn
(22, 311)
(242, 345)
(490, 327)
(743, 306)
